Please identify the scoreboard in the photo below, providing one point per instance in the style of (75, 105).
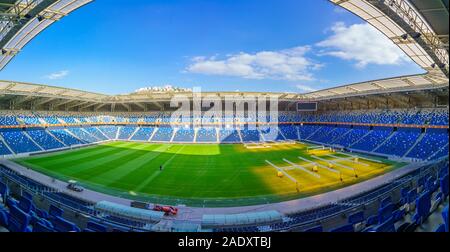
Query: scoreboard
(306, 106)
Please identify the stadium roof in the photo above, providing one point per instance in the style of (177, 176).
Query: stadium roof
(418, 28)
(435, 12)
(402, 23)
(21, 21)
(407, 83)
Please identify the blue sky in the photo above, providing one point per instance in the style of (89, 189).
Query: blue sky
(118, 46)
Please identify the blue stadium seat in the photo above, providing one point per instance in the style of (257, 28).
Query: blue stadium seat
(10, 202)
(63, 225)
(443, 171)
(444, 183)
(356, 218)
(386, 226)
(385, 213)
(398, 214)
(27, 195)
(42, 228)
(18, 220)
(445, 217)
(412, 196)
(206, 135)
(440, 229)
(25, 205)
(4, 192)
(95, 227)
(423, 206)
(41, 213)
(386, 201)
(3, 217)
(344, 229)
(404, 195)
(431, 184)
(55, 211)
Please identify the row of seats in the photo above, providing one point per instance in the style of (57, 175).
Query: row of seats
(413, 143)
(20, 214)
(399, 116)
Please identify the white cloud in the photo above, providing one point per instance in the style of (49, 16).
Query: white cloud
(339, 10)
(362, 43)
(290, 64)
(57, 75)
(305, 88)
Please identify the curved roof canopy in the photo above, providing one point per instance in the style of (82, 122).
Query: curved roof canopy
(418, 27)
(400, 84)
(435, 12)
(402, 23)
(22, 20)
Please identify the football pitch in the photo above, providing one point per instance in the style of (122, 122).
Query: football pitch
(209, 175)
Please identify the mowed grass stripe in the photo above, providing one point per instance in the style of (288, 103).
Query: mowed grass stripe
(74, 156)
(71, 168)
(131, 171)
(96, 167)
(150, 173)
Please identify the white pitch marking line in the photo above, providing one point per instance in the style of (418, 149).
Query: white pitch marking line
(302, 168)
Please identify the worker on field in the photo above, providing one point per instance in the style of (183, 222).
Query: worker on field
(160, 168)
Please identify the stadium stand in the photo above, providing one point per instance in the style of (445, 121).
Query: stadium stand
(126, 133)
(83, 135)
(184, 135)
(163, 134)
(143, 134)
(289, 131)
(251, 135)
(45, 140)
(206, 135)
(109, 131)
(412, 208)
(67, 138)
(19, 141)
(229, 136)
(400, 140)
(403, 120)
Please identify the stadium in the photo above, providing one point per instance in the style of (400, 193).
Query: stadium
(364, 157)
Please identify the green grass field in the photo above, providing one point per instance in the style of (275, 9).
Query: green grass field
(203, 175)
